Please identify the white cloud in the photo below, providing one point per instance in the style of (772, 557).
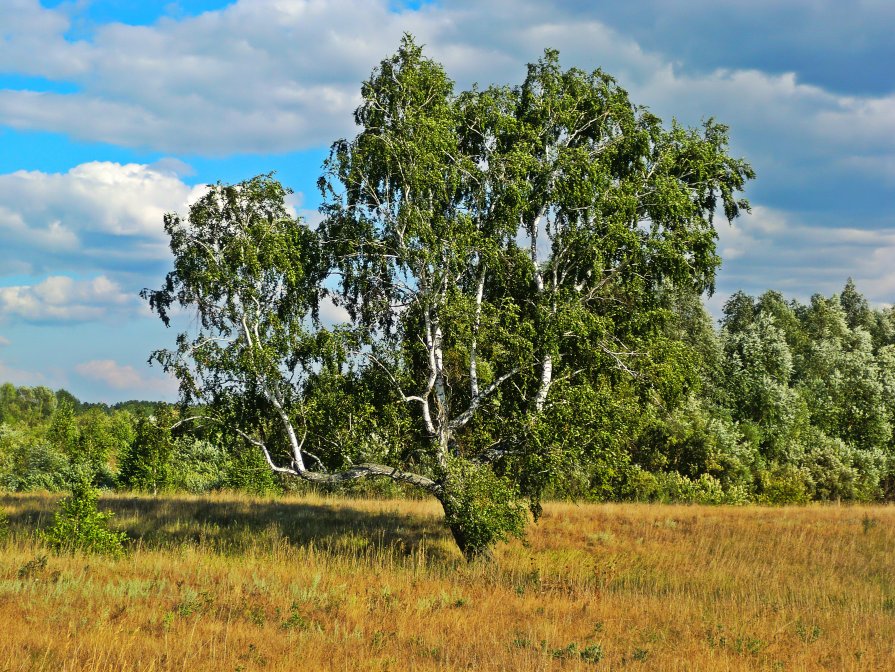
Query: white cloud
(770, 249)
(272, 76)
(101, 197)
(89, 219)
(62, 299)
(331, 314)
(4, 342)
(277, 76)
(121, 377)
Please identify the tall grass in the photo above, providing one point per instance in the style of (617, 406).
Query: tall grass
(313, 583)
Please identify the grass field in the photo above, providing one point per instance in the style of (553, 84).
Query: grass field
(232, 583)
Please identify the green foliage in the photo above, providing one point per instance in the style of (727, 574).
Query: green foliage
(4, 526)
(246, 470)
(63, 432)
(671, 486)
(839, 471)
(197, 466)
(79, 525)
(481, 508)
(26, 405)
(29, 462)
(580, 445)
(147, 462)
(697, 439)
(783, 484)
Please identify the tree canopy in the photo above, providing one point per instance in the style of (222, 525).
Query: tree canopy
(506, 256)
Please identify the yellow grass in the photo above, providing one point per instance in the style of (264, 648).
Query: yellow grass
(232, 583)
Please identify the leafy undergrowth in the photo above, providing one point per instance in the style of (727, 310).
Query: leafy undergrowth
(232, 583)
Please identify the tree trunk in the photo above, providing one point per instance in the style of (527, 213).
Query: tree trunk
(471, 548)
(468, 537)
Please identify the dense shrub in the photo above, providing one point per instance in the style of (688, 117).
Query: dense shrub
(482, 507)
(79, 525)
(147, 461)
(784, 484)
(33, 465)
(671, 486)
(837, 470)
(247, 470)
(197, 466)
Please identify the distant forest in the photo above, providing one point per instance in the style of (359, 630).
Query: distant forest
(786, 403)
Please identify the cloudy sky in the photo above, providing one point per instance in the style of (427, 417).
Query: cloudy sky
(113, 112)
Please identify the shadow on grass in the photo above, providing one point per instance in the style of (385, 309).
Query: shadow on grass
(234, 526)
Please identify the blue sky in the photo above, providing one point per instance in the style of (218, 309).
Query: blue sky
(113, 112)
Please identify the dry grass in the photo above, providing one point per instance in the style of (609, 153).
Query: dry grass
(232, 583)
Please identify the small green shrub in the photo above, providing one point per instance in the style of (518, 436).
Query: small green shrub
(4, 526)
(79, 525)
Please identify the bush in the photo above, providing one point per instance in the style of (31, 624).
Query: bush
(34, 466)
(248, 471)
(784, 484)
(481, 508)
(197, 466)
(147, 462)
(4, 526)
(672, 487)
(79, 525)
(840, 471)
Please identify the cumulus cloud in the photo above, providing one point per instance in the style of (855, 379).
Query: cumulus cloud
(123, 377)
(772, 249)
(62, 299)
(4, 342)
(812, 109)
(95, 217)
(270, 76)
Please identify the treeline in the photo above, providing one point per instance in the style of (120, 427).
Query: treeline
(47, 439)
(784, 403)
(796, 402)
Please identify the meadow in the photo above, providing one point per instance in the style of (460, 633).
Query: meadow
(231, 583)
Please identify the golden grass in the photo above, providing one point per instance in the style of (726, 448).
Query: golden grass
(233, 583)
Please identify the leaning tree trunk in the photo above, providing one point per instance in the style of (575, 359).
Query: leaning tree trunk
(471, 545)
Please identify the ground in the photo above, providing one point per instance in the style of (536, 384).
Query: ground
(312, 583)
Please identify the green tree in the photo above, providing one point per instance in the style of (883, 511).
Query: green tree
(841, 378)
(79, 525)
(27, 405)
(500, 252)
(857, 310)
(63, 433)
(147, 461)
(759, 369)
(526, 232)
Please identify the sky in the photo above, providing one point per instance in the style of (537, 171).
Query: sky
(113, 112)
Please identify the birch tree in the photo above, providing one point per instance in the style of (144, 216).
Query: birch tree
(501, 254)
(512, 243)
(249, 275)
